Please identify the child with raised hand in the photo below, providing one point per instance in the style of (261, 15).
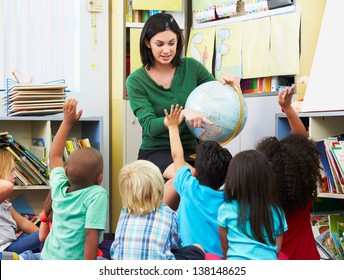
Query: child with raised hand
(11, 220)
(80, 204)
(147, 229)
(251, 220)
(199, 188)
(295, 160)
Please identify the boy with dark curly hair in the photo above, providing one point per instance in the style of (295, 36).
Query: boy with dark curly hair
(296, 162)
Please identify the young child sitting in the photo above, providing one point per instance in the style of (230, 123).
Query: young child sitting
(11, 220)
(80, 204)
(296, 161)
(251, 220)
(147, 229)
(198, 188)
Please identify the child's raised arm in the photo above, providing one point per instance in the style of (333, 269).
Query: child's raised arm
(172, 122)
(284, 100)
(70, 116)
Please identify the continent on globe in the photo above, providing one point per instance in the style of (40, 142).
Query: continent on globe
(224, 106)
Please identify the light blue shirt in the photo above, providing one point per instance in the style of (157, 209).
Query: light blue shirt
(242, 247)
(197, 212)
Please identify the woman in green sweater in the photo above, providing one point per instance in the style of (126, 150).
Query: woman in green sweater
(164, 79)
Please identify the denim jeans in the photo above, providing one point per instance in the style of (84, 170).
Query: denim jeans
(24, 243)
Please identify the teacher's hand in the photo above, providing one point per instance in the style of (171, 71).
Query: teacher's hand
(228, 78)
(195, 119)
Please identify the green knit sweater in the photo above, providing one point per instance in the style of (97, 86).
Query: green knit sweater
(148, 101)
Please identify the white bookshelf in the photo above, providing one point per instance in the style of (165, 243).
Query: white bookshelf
(25, 128)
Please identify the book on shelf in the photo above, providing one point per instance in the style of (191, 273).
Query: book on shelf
(332, 161)
(324, 234)
(325, 243)
(334, 220)
(85, 142)
(69, 146)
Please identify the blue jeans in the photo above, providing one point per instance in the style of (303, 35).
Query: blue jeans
(24, 243)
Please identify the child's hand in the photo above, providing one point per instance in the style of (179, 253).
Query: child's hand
(172, 119)
(284, 98)
(69, 111)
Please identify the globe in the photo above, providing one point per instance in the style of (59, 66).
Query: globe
(223, 105)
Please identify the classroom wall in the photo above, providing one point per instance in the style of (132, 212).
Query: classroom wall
(94, 83)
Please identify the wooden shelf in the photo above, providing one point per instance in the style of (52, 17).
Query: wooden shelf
(331, 195)
(31, 188)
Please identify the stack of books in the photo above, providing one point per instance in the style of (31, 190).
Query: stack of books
(33, 100)
(29, 169)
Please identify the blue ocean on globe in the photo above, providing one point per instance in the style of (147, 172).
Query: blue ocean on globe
(224, 106)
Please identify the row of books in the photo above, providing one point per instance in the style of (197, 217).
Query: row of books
(73, 144)
(29, 169)
(328, 230)
(266, 84)
(31, 166)
(332, 161)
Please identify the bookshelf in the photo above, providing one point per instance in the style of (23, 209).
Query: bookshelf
(320, 125)
(25, 128)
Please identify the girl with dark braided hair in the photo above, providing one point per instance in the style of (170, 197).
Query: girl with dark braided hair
(295, 161)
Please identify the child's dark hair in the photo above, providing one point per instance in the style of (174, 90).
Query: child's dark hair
(296, 162)
(158, 23)
(211, 163)
(251, 182)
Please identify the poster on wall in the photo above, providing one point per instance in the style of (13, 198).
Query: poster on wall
(323, 92)
(201, 46)
(256, 48)
(285, 38)
(228, 49)
(161, 5)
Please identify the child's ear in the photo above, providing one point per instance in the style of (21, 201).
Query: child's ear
(194, 172)
(99, 179)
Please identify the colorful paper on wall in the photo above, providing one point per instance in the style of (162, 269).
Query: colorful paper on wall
(225, 8)
(256, 48)
(161, 5)
(285, 52)
(201, 46)
(228, 49)
(135, 58)
(203, 10)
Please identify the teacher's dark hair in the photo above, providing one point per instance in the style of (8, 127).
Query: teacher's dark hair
(155, 24)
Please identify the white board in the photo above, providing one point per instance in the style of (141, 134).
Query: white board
(324, 91)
